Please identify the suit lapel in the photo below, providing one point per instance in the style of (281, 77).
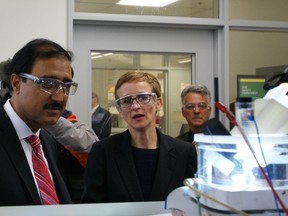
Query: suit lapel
(165, 166)
(125, 162)
(13, 147)
(166, 163)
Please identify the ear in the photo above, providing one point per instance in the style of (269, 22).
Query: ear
(210, 109)
(159, 104)
(15, 82)
(183, 112)
(119, 110)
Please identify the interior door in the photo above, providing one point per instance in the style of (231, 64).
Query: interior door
(133, 39)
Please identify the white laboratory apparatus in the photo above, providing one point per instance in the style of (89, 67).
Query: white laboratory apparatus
(229, 180)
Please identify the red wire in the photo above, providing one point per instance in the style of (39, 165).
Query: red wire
(232, 119)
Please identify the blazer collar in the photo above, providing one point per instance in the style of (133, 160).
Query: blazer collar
(166, 163)
(12, 145)
(125, 161)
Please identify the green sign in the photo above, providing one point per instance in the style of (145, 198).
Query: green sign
(251, 86)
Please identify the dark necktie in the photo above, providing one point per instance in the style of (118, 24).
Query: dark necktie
(47, 191)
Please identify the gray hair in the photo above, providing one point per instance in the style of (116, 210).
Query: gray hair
(197, 88)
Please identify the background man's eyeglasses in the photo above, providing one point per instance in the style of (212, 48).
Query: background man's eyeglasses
(200, 106)
(51, 86)
(142, 98)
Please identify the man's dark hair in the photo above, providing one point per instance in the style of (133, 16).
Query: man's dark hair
(23, 60)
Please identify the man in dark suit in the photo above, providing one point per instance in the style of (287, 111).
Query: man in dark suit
(41, 79)
(101, 118)
(195, 109)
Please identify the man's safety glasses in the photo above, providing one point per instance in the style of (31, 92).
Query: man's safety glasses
(51, 86)
(191, 106)
(142, 98)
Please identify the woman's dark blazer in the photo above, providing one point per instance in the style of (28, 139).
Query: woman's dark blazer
(17, 186)
(111, 175)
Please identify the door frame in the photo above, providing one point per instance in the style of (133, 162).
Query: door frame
(88, 32)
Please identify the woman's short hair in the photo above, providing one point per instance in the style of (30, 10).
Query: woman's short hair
(139, 76)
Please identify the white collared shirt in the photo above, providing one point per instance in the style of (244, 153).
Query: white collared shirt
(23, 131)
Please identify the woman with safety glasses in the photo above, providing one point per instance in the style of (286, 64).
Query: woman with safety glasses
(140, 164)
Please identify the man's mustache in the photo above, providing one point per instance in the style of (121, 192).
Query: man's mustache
(54, 105)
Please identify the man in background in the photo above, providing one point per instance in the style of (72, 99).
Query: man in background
(101, 118)
(195, 109)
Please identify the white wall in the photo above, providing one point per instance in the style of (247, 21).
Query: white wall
(22, 21)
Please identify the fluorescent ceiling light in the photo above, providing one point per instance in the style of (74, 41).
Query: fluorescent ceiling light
(185, 60)
(107, 54)
(94, 53)
(98, 55)
(147, 3)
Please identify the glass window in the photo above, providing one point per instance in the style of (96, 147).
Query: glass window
(275, 10)
(179, 8)
(256, 53)
(110, 59)
(166, 67)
